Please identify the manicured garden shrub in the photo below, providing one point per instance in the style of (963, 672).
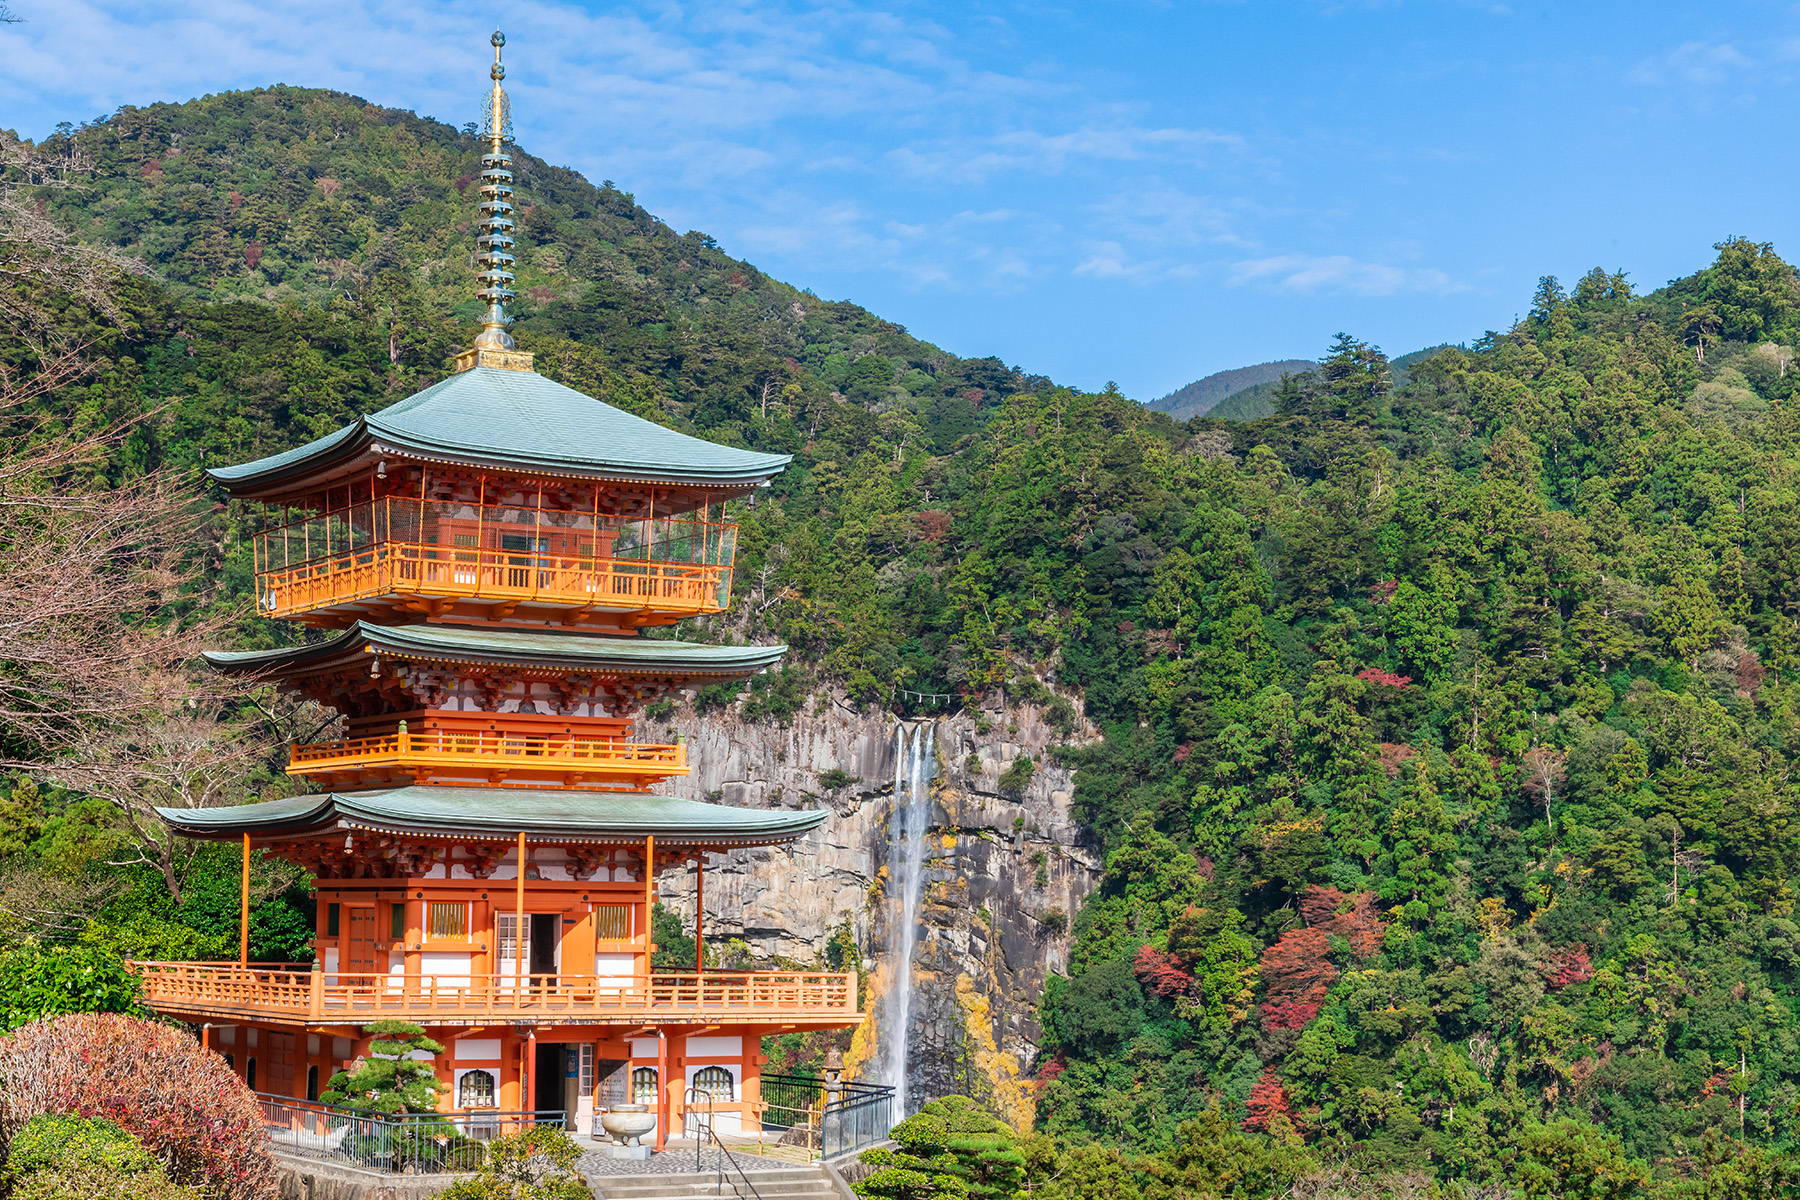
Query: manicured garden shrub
(84, 1158)
(181, 1102)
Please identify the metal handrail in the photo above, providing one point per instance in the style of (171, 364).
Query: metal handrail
(691, 1116)
(391, 1143)
(841, 1117)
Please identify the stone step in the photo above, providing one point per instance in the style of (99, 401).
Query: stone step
(778, 1184)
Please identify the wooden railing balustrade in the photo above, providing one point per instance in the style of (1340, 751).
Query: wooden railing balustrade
(394, 547)
(227, 989)
(493, 750)
(411, 569)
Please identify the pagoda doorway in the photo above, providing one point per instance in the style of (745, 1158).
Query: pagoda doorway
(362, 941)
(542, 949)
(548, 1086)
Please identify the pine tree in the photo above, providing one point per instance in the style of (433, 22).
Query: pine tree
(392, 1080)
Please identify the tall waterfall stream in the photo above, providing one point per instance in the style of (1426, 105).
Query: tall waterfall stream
(914, 765)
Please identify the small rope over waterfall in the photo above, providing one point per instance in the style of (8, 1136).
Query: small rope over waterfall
(914, 765)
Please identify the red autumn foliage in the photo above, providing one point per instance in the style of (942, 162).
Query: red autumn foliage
(1392, 756)
(1182, 751)
(933, 525)
(1296, 975)
(1161, 974)
(1383, 592)
(1268, 1100)
(1568, 966)
(1319, 905)
(1360, 923)
(1384, 678)
(182, 1102)
(253, 252)
(1048, 1074)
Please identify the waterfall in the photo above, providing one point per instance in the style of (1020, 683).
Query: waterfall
(913, 763)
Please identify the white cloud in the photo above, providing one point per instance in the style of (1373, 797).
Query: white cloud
(1699, 63)
(1306, 274)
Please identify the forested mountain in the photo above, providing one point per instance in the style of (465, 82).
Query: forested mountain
(1448, 786)
(1198, 398)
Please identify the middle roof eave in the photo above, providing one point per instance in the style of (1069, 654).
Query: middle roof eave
(521, 648)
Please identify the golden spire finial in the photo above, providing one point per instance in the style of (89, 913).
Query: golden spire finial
(494, 346)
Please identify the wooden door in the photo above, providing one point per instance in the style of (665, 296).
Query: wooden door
(362, 942)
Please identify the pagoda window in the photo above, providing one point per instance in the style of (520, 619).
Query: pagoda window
(398, 927)
(250, 1072)
(475, 1090)
(333, 917)
(612, 922)
(447, 922)
(715, 1083)
(643, 1085)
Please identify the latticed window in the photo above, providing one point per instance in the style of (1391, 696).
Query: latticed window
(715, 1082)
(475, 1090)
(612, 922)
(643, 1086)
(448, 922)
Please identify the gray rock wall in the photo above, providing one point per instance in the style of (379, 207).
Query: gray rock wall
(997, 863)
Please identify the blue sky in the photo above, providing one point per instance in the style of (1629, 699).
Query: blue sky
(1115, 190)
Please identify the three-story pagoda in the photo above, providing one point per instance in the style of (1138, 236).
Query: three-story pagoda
(485, 840)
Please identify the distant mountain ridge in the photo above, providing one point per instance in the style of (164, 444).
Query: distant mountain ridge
(1198, 398)
(1254, 401)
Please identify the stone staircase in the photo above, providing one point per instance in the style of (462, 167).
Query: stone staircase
(784, 1183)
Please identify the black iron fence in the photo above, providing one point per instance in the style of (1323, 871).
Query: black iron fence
(403, 1144)
(832, 1118)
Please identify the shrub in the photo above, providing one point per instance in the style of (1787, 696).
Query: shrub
(538, 1164)
(950, 1147)
(44, 981)
(84, 1158)
(182, 1102)
(1017, 777)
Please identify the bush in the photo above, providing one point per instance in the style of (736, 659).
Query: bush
(84, 1158)
(39, 981)
(950, 1147)
(1016, 778)
(538, 1164)
(182, 1102)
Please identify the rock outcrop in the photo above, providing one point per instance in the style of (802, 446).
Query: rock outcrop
(1007, 869)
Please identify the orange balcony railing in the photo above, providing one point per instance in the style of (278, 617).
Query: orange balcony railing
(497, 755)
(396, 548)
(229, 990)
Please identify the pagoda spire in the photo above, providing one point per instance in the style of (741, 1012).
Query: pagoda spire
(494, 346)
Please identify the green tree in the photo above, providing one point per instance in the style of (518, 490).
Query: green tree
(392, 1080)
(1572, 1160)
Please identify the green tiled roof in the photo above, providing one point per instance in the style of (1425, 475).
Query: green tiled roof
(516, 419)
(531, 648)
(542, 814)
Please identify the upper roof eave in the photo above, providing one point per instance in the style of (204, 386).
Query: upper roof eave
(511, 420)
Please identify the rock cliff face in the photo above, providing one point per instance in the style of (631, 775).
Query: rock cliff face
(1006, 869)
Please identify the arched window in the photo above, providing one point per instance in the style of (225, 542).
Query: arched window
(475, 1090)
(250, 1073)
(715, 1082)
(643, 1086)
